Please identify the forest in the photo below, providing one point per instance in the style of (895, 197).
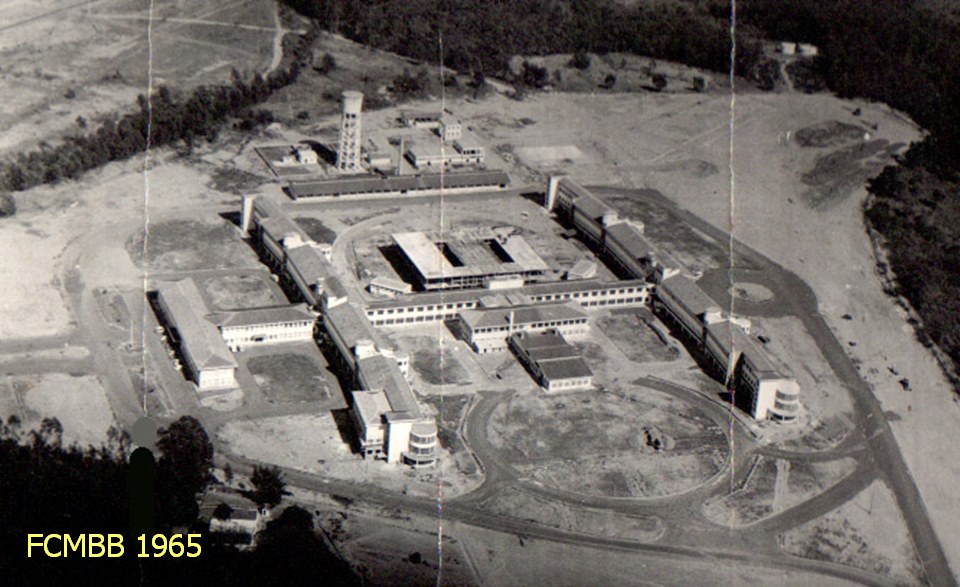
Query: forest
(48, 487)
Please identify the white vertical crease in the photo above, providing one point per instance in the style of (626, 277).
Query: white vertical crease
(146, 207)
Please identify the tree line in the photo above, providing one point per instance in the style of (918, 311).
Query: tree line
(907, 55)
(482, 36)
(46, 487)
(167, 117)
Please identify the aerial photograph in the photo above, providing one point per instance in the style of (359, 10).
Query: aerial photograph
(480, 293)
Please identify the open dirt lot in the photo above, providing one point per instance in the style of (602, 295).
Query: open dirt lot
(320, 444)
(516, 503)
(866, 532)
(183, 245)
(505, 559)
(595, 442)
(77, 401)
(775, 485)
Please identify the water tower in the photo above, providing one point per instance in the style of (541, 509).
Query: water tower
(348, 155)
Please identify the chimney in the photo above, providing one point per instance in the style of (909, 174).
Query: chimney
(246, 212)
(510, 325)
(403, 147)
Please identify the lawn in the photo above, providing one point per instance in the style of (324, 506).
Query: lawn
(289, 378)
(635, 338)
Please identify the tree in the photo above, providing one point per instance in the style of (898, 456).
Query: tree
(580, 60)
(534, 76)
(699, 84)
(327, 64)
(608, 82)
(659, 81)
(223, 511)
(269, 486)
(184, 469)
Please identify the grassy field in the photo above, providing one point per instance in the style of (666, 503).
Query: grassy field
(635, 339)
(867, 532)
(182, 245)
(241, 291)
(289, 378)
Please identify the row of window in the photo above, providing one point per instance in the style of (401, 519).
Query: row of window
(535, 325)
(228, 330)
(568, 383)
(430, 308)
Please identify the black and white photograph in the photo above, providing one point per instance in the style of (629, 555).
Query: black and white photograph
(480, 293)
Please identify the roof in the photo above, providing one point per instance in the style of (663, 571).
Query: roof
(567, 368)
(584, 199)
(275, 223)
(430, 114)
(489, 317)
(374, 184)
(530, 342)
(390, 283)
(730, 337)
(351, 325)
(186, 310)
(631, 239)
(309, 262)
(266, 315)
(482, 252)
(534, 289)
(370, 405)
(688, 294)
(380, 372)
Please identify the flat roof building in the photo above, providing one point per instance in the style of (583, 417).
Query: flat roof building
(468, 258)
(209, 362)
(761, 387)
(553, 362)
(487, 329)
(242, 329)
(456, 181)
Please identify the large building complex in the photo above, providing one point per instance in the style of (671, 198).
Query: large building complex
(470, 259)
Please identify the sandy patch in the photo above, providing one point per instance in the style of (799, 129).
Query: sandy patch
(866, 532)
(79, 403)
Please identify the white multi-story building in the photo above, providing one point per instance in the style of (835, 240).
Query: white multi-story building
(242, 329)
(760, 387)
(487, 329)
(209, 362)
